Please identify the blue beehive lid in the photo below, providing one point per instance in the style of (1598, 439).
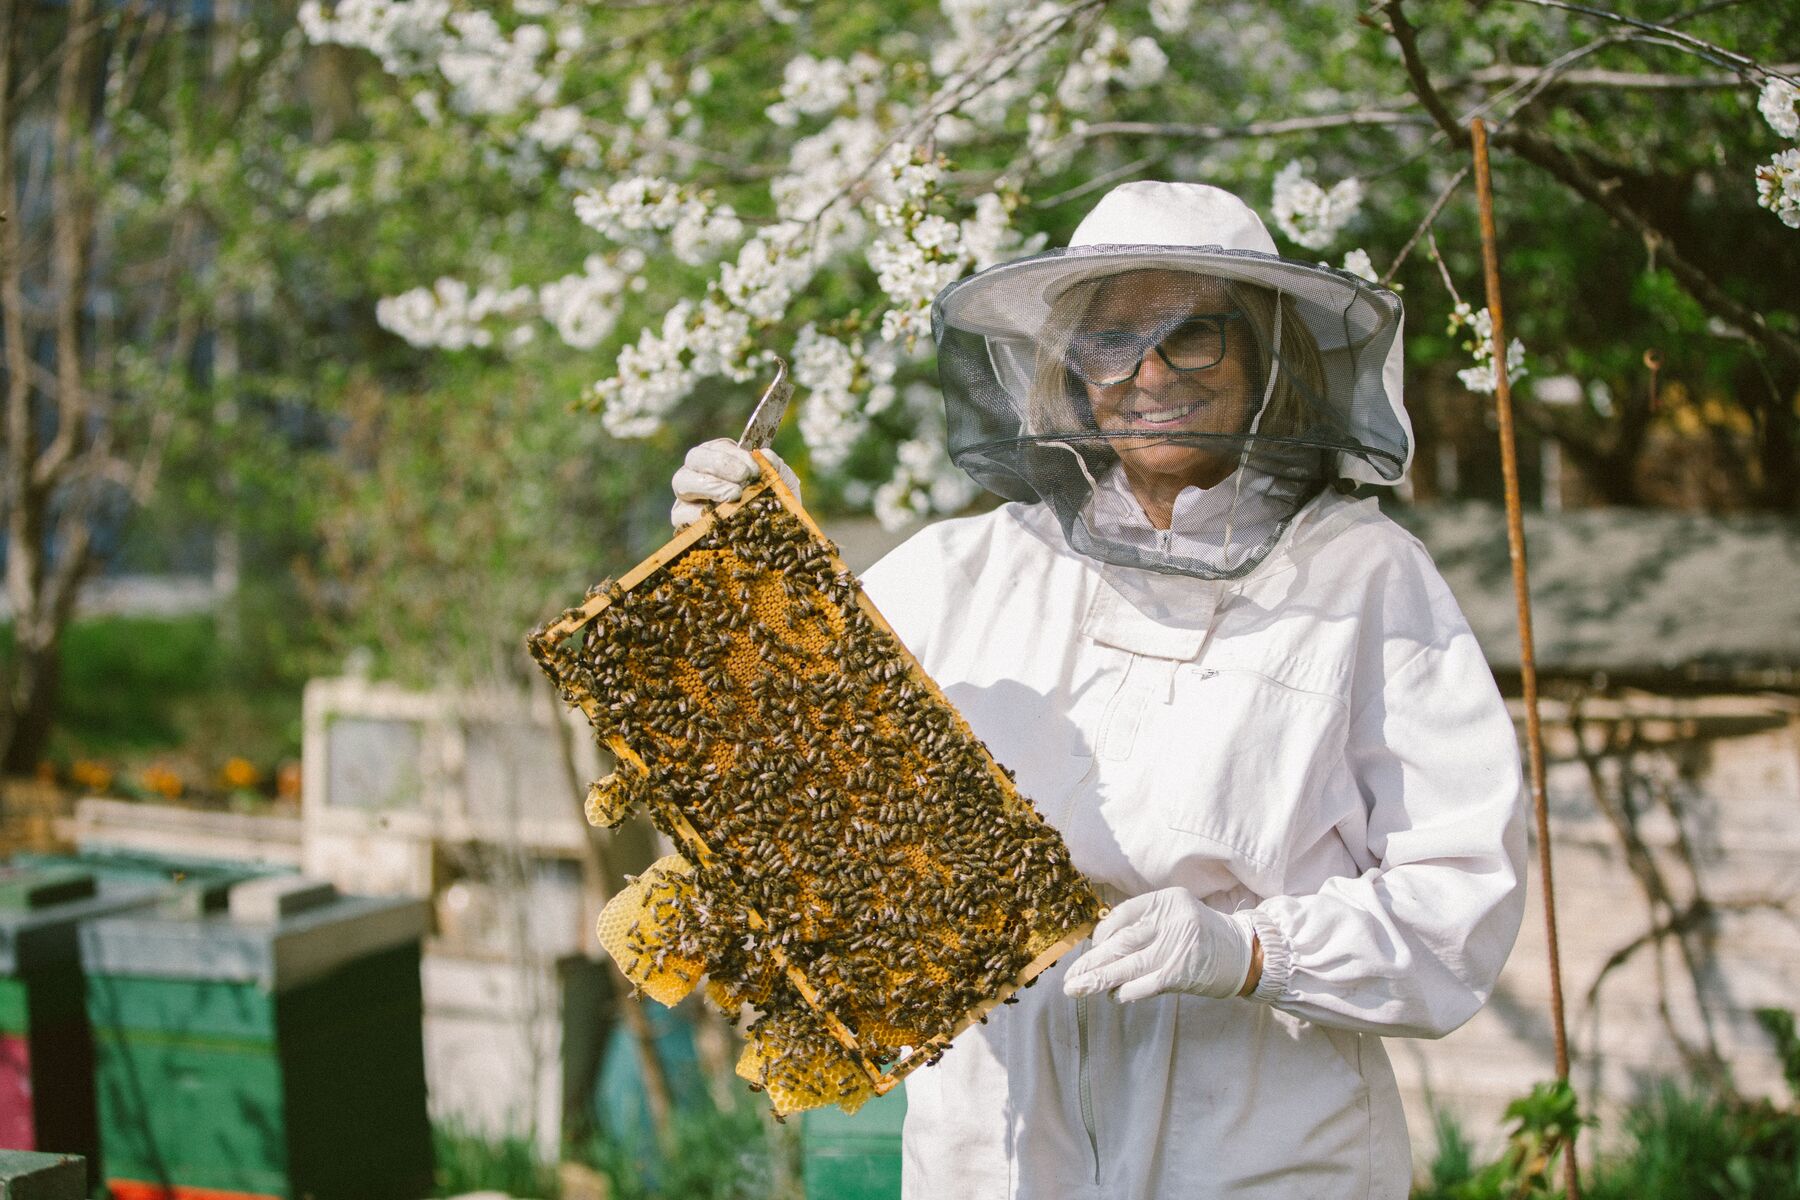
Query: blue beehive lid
(41, 909)
(276, 932)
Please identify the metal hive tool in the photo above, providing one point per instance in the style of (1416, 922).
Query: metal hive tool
(853, 864)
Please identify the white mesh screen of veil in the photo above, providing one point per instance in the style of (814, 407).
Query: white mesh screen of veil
(1070, 377)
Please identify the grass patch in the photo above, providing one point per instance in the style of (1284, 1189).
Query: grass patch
(142, 686)
(1679, 1144)
(715, 1156)
(124, 680)
(475, 1162)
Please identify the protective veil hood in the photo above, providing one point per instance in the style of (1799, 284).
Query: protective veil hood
(1168, 327)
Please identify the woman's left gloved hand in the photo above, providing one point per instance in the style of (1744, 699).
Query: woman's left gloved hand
(1165, 941)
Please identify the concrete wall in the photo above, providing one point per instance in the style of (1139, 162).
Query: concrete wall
(463, 799)
(1712, 788)
(1710, 785)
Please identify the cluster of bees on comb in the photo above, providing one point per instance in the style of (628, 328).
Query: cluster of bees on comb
(855, 871)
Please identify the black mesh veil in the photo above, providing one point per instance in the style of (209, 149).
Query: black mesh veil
(1081, 377)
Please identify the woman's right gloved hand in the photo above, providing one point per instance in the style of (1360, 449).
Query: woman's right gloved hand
(715, 472)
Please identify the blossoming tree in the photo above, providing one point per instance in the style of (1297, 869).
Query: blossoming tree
(762, 177)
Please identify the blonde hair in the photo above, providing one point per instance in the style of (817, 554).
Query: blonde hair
(1296, 408)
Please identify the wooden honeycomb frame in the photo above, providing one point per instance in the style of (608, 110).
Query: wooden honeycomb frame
(808, 621)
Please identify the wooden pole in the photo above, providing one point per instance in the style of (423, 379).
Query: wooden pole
(1515, 540)
(595, 874)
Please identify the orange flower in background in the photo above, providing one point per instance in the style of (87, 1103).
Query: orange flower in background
(287, 780)
(161, 780)
(239, 773)
(94, 776)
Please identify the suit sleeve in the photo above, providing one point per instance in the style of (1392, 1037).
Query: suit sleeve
(1413, 946)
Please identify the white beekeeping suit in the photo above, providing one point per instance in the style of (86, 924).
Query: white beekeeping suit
(1251, 707)
(1320, 745)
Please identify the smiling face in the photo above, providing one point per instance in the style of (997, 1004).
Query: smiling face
(1150, 411)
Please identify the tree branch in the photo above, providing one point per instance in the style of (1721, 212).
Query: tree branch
(1543, 153)
(1095, 184)
(1255, 129)
(20, 441)
(1406, 37)
(1596, 77)
(1437, 206)
(1563, 167)
(71, 227)
(1667, 34)
(960, 89)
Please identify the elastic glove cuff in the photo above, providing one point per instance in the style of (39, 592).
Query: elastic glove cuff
(1229, 965)
(1278, 955)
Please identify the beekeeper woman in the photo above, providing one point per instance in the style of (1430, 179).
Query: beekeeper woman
(1246, 699)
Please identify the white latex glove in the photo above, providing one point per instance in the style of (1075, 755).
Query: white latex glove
(715, 473)
(1165, 941)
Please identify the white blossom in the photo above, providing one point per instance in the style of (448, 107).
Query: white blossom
(570, 37)
(989, 237)
(584, 307)
(830, 422)
(490, 72)
(1044, 139)
(1778, 187)
(924, 482)
(908, 272)
(406, 35)
(1106, 61)
(660, 369)
(649, 380)
(702, 233)
(1356, 262)
(918, 252)
(554, 128)
(1308, 214)
(647, 204)
(1482, 377)
(811, 86)
(1779, 104)
(645, 88)
(449, 315)
(1171, 16)
(822, 165)
(954, 130)
(329, 202)
(975, 28)
(769, 271)
(936, 233)
(719, 342)
(1145, 64)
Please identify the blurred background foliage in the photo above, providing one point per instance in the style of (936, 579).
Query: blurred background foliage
(239, 196)
(206, 206)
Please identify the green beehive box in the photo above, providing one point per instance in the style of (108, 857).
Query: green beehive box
(272, 1049)
(854, 1156)
(46, 1049)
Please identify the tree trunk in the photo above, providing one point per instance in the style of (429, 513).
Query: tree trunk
(35, 679)
(1775, 435)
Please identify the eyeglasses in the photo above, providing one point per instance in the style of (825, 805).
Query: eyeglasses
(1109, 357)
